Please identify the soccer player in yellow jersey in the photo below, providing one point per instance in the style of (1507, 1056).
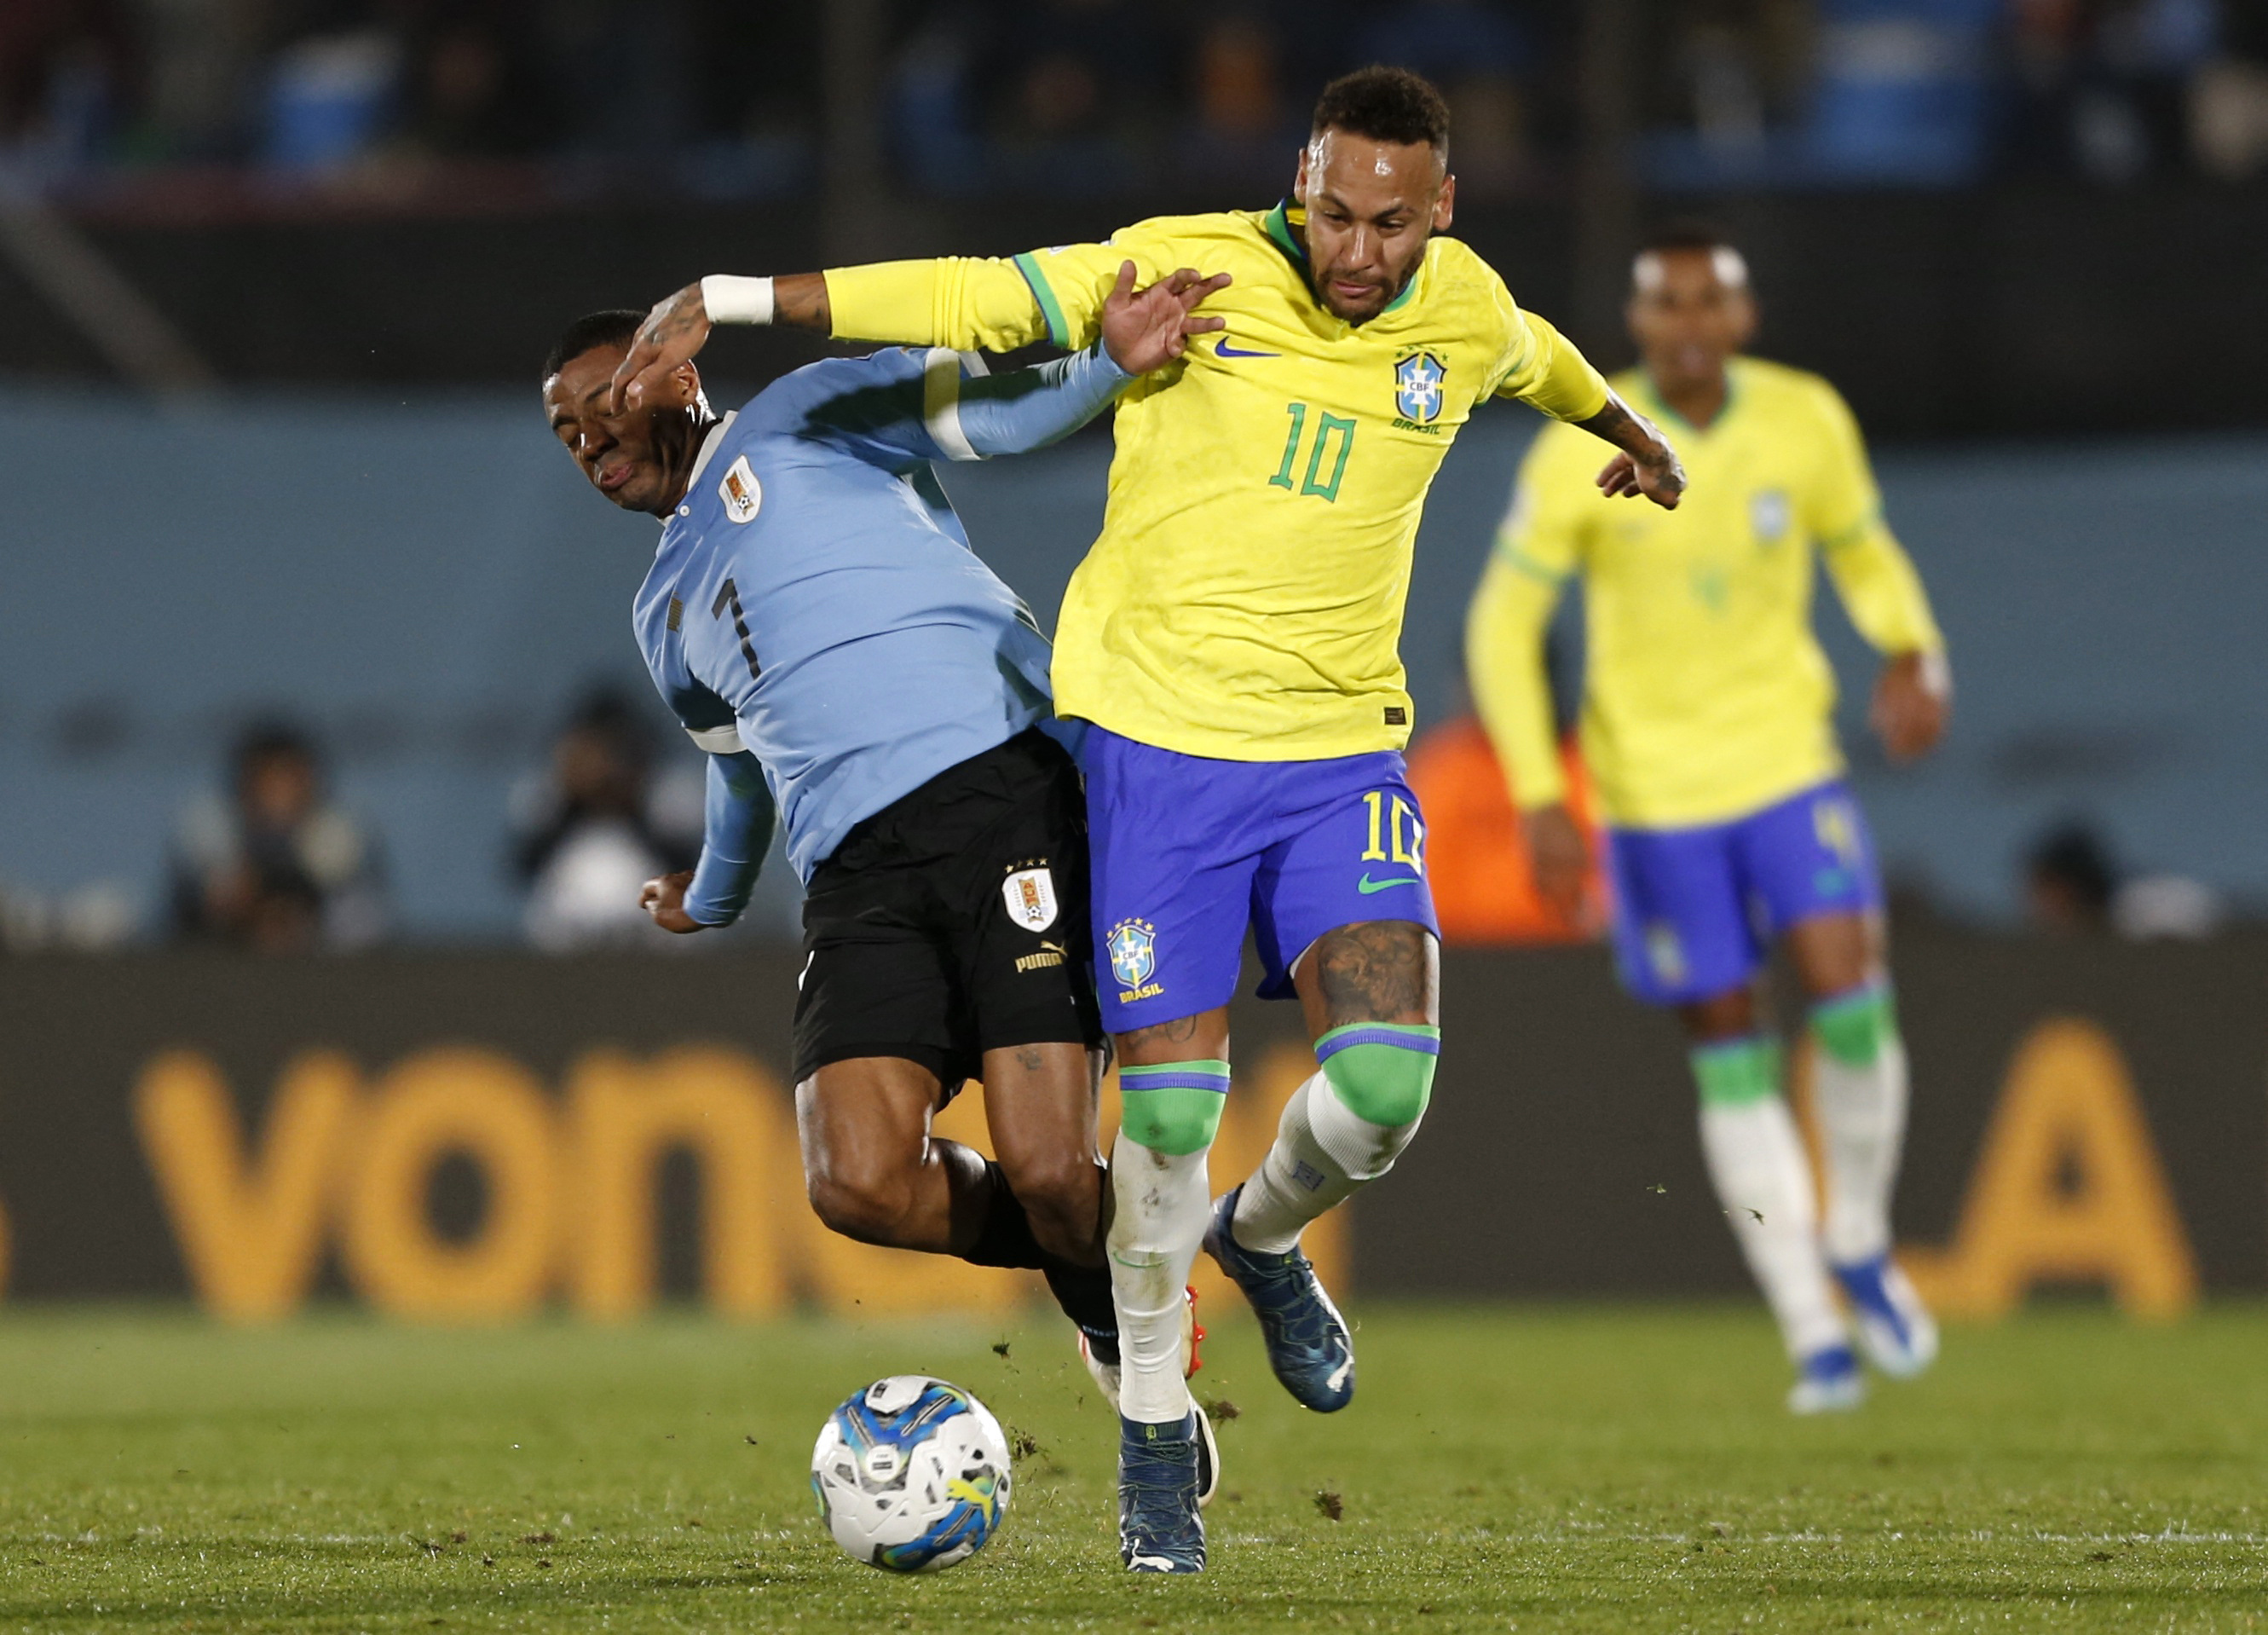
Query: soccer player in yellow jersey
(1707, 726)
(1231, 642)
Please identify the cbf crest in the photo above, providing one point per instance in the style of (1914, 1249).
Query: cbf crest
(1770, 513)
(1418, 388)
(1132, 946)
(1030, 895)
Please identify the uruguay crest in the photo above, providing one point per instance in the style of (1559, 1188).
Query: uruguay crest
(1417, 387)
(1030, 895)
(742, 494)
(1133, 949)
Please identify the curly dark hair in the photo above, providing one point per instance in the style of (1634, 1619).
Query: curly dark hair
(615, 327)
(1386, 105)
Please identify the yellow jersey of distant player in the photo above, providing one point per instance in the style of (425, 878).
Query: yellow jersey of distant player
(1707, 695)
(1245, 598)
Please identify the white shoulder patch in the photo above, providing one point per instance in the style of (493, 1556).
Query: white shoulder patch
(1030, 895)
(742, 494)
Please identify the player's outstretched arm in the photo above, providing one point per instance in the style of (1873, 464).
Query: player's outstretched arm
(1647, 464)
(736, 831)
(1142, 331)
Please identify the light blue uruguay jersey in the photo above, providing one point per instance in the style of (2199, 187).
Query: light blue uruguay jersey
(816, 601)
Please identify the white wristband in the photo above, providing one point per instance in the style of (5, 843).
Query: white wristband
(731, 300)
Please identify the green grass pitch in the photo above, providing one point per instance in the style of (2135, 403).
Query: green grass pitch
(1592, 1469)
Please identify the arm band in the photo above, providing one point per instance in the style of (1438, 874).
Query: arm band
(731, 300)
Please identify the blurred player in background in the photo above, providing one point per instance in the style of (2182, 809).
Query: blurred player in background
(1232, 638)
(816, 619)
(1708, 726)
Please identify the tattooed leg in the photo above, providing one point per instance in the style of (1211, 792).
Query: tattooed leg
(1372, 996)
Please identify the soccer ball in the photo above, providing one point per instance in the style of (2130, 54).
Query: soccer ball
(911, 1474)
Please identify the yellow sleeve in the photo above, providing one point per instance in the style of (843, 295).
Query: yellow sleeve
(1872, 573)
(1538, 547)
(960, 301)
(990, 305)
(1544, 369)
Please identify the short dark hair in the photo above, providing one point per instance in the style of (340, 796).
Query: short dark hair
(1386, 105)
(617, 326)
(1687, 233)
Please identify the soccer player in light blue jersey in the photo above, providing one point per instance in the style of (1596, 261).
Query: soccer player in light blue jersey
(816, 620)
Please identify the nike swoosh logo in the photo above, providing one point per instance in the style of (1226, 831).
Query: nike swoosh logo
(1366, 885)
(1226, 350)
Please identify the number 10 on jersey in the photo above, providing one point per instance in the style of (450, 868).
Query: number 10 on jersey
(1390, 815)
(1334, 441)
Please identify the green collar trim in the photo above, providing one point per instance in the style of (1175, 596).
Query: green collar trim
(1278, 224)
(1724, 409)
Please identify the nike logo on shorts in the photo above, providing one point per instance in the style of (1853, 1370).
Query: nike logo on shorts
(1366, 885)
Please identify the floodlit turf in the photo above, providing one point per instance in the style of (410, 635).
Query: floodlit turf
(1623, 1469)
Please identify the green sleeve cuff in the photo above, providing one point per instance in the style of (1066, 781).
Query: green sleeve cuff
(1058, 331)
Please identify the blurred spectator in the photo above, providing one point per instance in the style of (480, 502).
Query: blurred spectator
(68, 72)
(2104, 88)
(1480, 54)
(477, 85)
(1240, 129)
(2228, 99)
(1072, 84)
(272, 866)
(2069, 881)
(593, 831)
(202, 62)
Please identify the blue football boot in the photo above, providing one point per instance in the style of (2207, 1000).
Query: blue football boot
(1306, 1338)
(1895, 1328)
(1160, 1471)
(1828, 1381)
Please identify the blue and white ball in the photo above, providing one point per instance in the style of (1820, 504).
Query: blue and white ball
(911, 1474)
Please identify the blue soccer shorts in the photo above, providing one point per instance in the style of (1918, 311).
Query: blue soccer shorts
(1188, 852)
(1696, 910)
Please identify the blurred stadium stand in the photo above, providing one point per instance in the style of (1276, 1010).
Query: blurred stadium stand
(430, 584)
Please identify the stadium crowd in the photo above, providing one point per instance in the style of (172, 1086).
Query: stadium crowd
(168, 100)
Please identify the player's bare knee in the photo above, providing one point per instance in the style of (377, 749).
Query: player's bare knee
(872, 1203)
(1061, 1197)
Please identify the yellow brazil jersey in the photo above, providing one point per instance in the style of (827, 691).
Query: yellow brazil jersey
(1245, 598)
(1707, 695)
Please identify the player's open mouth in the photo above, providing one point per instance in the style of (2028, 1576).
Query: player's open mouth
(612, 477)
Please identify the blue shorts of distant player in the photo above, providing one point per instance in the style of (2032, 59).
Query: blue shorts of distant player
(1188, 850)
(1696, 909)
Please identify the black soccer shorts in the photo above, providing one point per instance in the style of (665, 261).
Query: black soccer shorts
(955, 921)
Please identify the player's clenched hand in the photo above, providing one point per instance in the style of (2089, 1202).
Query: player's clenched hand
(665, 899)
(1558, 855)
(1912, 703)
(1146, 329)
(674, 331)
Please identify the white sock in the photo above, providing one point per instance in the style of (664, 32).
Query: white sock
(1161, 1202)
(1322, 1155)
(1862, 1115)
(1756, 1160)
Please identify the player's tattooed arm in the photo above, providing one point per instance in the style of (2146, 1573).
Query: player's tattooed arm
(679, 325)
(1647, 464)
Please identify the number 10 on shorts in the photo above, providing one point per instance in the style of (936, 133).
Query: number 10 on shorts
(1392, 817)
